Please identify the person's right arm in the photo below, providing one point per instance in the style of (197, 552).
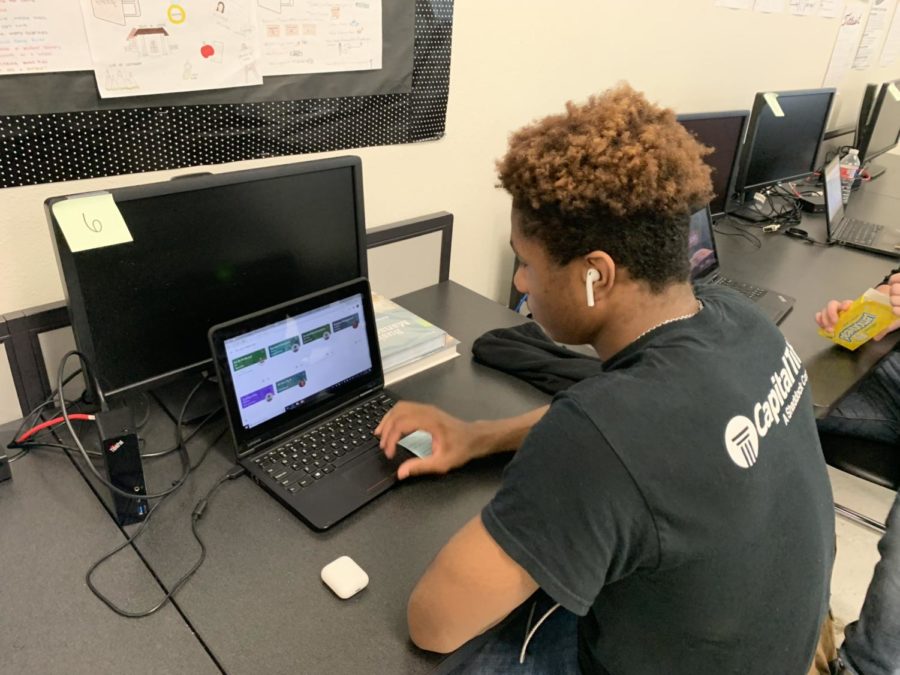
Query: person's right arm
(453, 441)
(827, 317)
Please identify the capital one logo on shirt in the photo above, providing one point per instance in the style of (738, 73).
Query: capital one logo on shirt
(743, 434)
(742, 441)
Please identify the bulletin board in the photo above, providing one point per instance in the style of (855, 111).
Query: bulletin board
(54, 127)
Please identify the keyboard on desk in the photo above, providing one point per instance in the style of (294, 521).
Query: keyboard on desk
(859, 231)
(316, 453)
(751, 291)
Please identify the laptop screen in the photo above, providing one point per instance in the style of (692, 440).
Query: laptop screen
(701, 245)
(834, 205)
(290, 364)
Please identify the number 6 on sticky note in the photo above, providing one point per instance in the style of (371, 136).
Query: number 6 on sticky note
(91, 221)
(94, 226)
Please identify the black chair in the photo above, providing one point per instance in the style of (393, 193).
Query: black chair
(875, 462)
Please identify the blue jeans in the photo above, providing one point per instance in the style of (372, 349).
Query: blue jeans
(872, 644)
(553, 649)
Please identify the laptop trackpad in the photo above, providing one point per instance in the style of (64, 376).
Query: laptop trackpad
(372, 473)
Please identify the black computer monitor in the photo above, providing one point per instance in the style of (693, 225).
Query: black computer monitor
(882, 130)
(782, 141)
(206, 249)
(865, 113)
(724, 133)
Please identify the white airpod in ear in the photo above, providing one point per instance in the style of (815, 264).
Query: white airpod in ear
(592, 276)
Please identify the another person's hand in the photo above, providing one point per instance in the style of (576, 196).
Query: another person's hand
(892, 290)
(827, 317)
(453, 441)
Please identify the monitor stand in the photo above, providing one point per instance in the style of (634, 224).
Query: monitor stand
(748, 214)
(205, 400)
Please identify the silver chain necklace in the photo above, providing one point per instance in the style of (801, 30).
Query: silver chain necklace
(673, 320)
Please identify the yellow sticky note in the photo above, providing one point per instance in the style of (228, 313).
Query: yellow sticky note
(869, 314)
(894, 91)
(772, 99)
(91, 221)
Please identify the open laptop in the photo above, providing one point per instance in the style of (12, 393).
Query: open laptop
(303, 387)
(705, 269)
(875, 237)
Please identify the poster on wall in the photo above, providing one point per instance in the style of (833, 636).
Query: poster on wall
(316, 36)
(769, 6)
(42, 36)
(845, 44)
(875, 25)
(891, 43)
(82, 136)
(141, 47)
(831, 9)
(735, 4)
(803, 7)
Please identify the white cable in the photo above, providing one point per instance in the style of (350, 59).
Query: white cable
(530, 617)
(534, 630)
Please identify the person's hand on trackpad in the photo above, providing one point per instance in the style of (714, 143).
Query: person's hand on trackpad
(453, 441)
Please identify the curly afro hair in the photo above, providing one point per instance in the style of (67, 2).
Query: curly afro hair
(617, 174)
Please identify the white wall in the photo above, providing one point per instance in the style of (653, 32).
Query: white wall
(514, 61)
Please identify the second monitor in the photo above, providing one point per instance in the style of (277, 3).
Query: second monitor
(879, 123)
(724, 133)
(783, 138)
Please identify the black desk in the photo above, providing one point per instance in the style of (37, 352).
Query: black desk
(814, 275)
(258, 602)
(887, 183)
(51, 529)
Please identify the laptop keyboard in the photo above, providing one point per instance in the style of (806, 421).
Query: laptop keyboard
(859, 231)
(302, 460)
(751, 291)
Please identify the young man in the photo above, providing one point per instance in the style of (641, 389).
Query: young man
(678, 503)
(872, 644)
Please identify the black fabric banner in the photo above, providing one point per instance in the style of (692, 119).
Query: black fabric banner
(54, 127)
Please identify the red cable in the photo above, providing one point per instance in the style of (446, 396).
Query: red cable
(49, 423)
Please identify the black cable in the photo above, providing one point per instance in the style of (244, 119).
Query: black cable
(789, 212)
(841, 151)
(809, 240)
(185, 459)
(181, 440)
(740, 232)
(140, 423)
(209, 447)
(174, 448)
(29, 420)
(196, 515)
(29, 445)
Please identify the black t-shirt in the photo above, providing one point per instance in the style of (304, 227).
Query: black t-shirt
(679, 502)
